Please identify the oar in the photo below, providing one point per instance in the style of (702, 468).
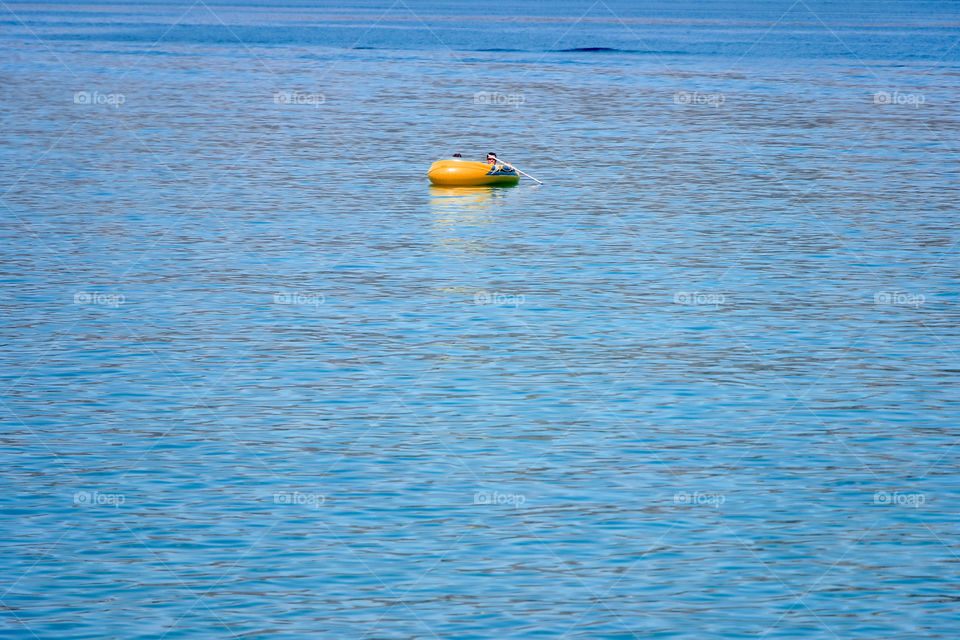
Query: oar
(507, 164)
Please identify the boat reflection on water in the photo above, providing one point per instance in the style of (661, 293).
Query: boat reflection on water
(460, 213)
(464, 229)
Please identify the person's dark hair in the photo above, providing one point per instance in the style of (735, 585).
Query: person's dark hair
(492, 154)
(457, 155)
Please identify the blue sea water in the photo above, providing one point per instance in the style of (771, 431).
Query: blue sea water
(258, 379)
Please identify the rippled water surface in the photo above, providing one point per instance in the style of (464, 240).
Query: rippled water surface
(259, 379)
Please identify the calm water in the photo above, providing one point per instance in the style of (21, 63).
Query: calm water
(261, 380)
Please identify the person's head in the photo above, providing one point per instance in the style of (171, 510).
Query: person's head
(491, 158)
(457, 155)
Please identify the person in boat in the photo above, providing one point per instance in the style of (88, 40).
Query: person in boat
(497, 164)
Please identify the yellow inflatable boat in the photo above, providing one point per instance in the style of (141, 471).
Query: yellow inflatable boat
(464, 173)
